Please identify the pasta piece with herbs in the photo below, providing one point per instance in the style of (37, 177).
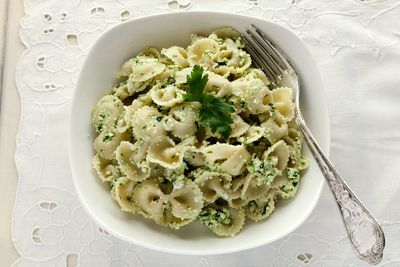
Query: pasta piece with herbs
(106, 113)
(283, 102)
(214, 185)
(280, 151)
(123, 192)
(168, 154)
(149, 200)
(296, 158)
(177, 54)
(183, 120)
(253, 134)
(275, 127)
(107, 142)
(131, 160)
(240, 127)
(234, 157)
(258, 97)
(107, 170)
(237, 188)
(254, 187)
(168, 96)
(174, 207)
(145, 124)
(125, 121)
(261, 208)
(223, 221)
(146, 68)
(202, 52)
(265, 169)
(285, 186)
(186, 200)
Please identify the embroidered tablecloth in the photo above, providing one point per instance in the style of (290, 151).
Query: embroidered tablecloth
(356, 44)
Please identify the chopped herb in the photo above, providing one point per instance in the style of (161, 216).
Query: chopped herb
(108, 137)
(243, 54)
(162, 180)
(214, 111)
(211, 217)
(255, 209)
(272, 111)
(138, 62)
(266, 169)
(99, 128)
(293, 174)
(207, 54)
(104, 115)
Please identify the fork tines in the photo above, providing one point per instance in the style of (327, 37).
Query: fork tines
(264, 53)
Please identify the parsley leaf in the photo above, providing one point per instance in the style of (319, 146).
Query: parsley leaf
(197, 82)
(214, 112)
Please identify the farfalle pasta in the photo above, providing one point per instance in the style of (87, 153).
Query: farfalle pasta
(163, 164)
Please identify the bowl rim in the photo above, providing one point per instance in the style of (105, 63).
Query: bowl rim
(155, 247)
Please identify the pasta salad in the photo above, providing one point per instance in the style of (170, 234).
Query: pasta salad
(198, 134)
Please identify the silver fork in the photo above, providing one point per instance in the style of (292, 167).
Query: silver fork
(365, 233)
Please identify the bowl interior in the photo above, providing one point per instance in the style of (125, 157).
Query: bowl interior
(98, 74)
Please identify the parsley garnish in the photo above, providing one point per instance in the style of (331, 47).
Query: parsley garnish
(214, 111)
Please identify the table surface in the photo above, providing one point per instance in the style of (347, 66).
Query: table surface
(10, 113)
(9, 116)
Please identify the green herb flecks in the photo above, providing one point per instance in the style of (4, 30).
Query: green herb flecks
(108, 137)
(212, 217)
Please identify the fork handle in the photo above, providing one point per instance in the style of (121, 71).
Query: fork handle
(366, 235)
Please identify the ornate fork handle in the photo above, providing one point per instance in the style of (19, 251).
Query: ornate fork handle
(366, 235)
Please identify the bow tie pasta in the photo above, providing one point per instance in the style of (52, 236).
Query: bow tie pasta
(163, 164)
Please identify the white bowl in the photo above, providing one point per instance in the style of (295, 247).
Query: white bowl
(98, 74)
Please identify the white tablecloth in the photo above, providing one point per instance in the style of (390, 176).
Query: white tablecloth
(357, 46)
